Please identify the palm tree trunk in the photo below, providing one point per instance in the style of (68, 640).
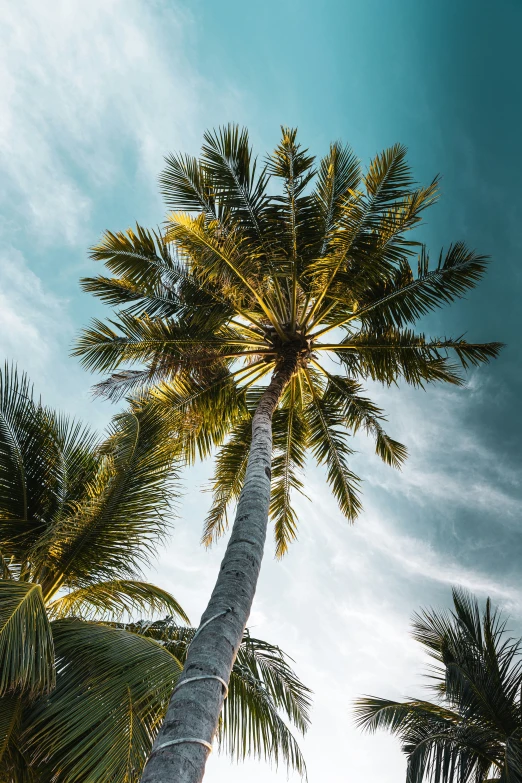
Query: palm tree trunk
(179, 753)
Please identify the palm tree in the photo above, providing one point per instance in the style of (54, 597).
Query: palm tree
(82, 695)
(308, 286)
(473, 731)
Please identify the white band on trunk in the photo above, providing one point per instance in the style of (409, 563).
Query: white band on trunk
(181, 740)
(214, 617)
(203, 677)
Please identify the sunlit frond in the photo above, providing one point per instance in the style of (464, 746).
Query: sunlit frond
(122, 515)
(290, 440)
(226, 483)
(112, 600)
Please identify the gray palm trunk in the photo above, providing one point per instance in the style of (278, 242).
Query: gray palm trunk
(181, 748)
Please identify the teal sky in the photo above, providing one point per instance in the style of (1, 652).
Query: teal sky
(94, 94)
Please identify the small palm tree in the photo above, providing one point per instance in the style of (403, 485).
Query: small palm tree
(473, 731)
(255, 315)
(82, 696)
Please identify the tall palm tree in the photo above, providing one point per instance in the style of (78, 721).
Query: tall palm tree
(81, 695)
(307, 285)
(473, 731)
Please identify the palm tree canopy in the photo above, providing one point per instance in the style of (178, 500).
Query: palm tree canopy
(473, 729)
(258, 266)
(81, 695)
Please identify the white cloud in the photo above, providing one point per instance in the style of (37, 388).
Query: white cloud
(87, 90)
(32, 320)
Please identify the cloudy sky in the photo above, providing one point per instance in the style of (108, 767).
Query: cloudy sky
(94, 94)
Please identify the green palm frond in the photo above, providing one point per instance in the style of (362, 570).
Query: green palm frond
(26, 643)
(44, 460)
(100, 720)
(228, 162)
(202, 413)
(397, 354)
(360, 412)
(329, 447)
(226, 483)
(111, 600)
(404, 298)
(187, 186)
(122, 516)
(338, 178)
(15, 416)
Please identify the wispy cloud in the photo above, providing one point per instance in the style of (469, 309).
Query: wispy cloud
(88, 90)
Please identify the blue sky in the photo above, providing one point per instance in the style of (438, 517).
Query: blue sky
(94, 94)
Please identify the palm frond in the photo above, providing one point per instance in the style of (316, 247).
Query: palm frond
(398, 354)
(327, 442)
(100, 721)
(226, 483)
(111, 600)
(338, 178)
(290, 439)
(188, 186)
(360, 412)
(121, 517)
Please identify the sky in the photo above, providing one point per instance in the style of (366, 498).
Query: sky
(93, 95)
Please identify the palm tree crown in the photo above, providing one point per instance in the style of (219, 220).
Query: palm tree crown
(291, 268)
(82, 695)
(473, 731)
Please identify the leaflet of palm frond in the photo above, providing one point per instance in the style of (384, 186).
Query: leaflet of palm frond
(124, 504)
(100, 720)
(26, 644)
